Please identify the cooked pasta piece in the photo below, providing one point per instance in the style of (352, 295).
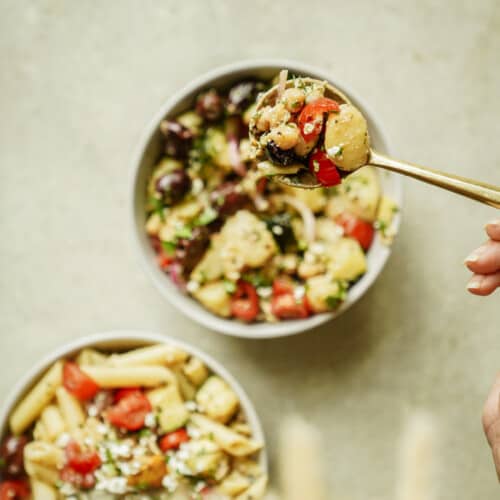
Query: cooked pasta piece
(42, 491)
(109, 377)
(29, 409)
(70, 409)
(163, 354)
(195, 370)
(91, 357)
(230, 441)
(256, 490)
(48, 455)
(53, 422)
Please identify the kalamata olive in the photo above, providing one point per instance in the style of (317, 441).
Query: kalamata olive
(190, 250)
(242, 95)
(173, 186)
(228, 198)
(178, 138)
(282, 231)
(209, 105)
(284, 157)
(12, 455)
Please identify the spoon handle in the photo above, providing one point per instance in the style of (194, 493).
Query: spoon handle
(479, 191)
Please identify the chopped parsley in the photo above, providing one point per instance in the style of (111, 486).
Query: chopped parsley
(184, 232)
(169, 246)
(230, 286)
(206, 217)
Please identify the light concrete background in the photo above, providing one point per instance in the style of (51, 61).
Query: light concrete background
(79, 80)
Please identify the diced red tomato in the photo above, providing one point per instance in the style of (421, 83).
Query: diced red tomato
(286, 306)
(312, 116)
(281, 285)
(123, 393)
(245, 302)
(81, 461)
(129, 413)
(324, 169)
(164, 260)
(78, 383)
(356, 228)
(80, 481)
(173, 440)
(261, 185)
(13, 490)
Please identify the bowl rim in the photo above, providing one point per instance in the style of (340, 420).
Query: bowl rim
(131, 338)
(187, 305)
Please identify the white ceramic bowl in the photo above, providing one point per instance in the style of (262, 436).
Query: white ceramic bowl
(120, 341)
(147, 154)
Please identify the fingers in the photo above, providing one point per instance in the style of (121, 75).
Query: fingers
(485, 259)
(484, 284)
(491, 409)
(493, 229)
(491, 422)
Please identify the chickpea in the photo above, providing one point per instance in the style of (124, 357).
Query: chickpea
(293, 99)
(285, 136)
(303, 147)
(263, 121)
(278, 115)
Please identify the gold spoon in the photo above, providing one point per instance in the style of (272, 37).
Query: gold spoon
(479, 191)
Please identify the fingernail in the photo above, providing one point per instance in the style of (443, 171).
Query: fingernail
(475, 283)
(494, 224)
(473, 257)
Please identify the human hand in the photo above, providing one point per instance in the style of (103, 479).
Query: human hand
(491, 422)
(484, 262)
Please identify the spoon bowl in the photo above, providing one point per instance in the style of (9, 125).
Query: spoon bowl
(479, 191)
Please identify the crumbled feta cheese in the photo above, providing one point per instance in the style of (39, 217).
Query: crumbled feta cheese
(299, 292)
(277, 230)
(333, 151)
(63, 440)
(118, 449)
(92, 411)
(192, 286)
(193, 432)
(170, 483)
(197, 186)
(116, 485)
(317, 248)
(264, 291)
(309, 128)
(191, 406)
(102, 429)
(150, 420)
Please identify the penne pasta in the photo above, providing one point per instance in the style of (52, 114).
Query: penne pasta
(28, 410)
(257, 490)
(107, 427)
(162, 354)
(111, 377)
(53, 422)
(70, 409)
(230, 441)
(42, 491)
(42, 473)
(91, 357)
(45, 454)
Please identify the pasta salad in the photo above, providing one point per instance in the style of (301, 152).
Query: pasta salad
(241, 245)
(153, 422)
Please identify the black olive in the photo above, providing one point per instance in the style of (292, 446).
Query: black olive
(178, 138)
(209, 105)
(190, 250)
(12, 455)
(227, 199)
(243, 95)
(281, 228)
(283, 157)
(173, 186)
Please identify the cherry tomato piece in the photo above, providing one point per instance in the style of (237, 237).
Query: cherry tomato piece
(129, 413)
(282, 285)
(286, 306)
(123, 393)
(77, 479)
(311, 117)
(357, 228)
(78, 383)
(173, 440)
(324, 169)
(245, 302)
(13, 490)
(81, 461)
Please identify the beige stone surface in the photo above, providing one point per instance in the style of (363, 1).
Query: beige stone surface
(78, 82)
